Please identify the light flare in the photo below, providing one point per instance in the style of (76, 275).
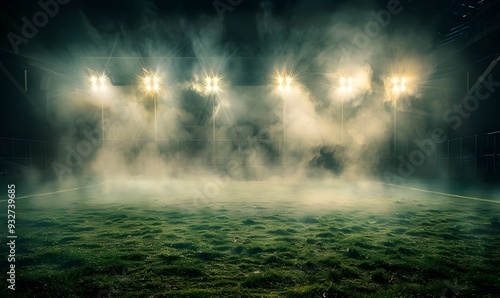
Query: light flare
(212, 84)
(398, 84)
(284, 83)
(98, 83)
(346, 84)
(151, 82)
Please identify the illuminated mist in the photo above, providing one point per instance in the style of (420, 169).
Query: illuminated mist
(329, 132)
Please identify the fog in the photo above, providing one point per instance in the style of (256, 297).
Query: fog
(327, 133)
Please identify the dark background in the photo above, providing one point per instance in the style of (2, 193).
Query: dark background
(51, 54)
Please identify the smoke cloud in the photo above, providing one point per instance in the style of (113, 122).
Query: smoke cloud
(324, 131)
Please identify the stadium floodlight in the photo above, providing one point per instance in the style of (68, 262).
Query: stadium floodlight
(99, 82)
(346, 84)
(151, 83)
(284, 83)
(398, 85)
(211, 84)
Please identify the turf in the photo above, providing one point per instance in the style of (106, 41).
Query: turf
(257, 239)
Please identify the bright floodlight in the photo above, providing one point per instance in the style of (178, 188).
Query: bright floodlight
(152, 83)
(346, 84)
(211, 84)
(398, 84)
(99, 83)
(284, 84)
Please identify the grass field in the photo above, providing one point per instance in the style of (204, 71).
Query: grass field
(255, 239)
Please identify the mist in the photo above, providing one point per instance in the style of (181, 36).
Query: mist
(326, 133)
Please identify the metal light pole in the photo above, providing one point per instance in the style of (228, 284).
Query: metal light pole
(395, 125)
(102, 121)
(398, 88)
(345, 87)
(156, 126)
(25, 78)
(212, 87)
(152, 84)
(284, 87)
(284, 131)
(99, 84)
(342, 108)
(213, 129)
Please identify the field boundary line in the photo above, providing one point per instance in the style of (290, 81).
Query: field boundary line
(440, 193)
(62, 190)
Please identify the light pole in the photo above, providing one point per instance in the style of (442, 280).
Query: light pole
(212, 87)
(398, 88)
(99, 84)
(345, 87)
(284, 86)
(152, 86)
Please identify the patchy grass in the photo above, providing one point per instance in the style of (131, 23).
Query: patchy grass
(386, 244)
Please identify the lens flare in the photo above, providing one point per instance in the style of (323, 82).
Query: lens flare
(98, 83)
(398, 84)
(284, 83)
(346, 84)
(151, 82)
(212, 84)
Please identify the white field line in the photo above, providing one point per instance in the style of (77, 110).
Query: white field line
(395, 185)
(440, 193)
(56, 192)
(62, 190)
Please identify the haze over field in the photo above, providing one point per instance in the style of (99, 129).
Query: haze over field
(352, 46)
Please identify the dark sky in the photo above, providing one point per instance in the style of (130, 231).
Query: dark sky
(239, 21)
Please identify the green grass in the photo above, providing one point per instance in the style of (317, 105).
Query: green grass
(369, 243)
